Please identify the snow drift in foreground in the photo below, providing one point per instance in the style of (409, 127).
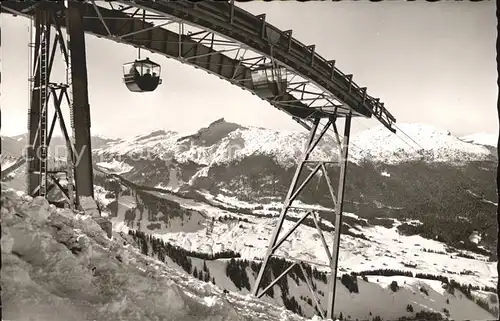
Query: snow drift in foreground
(58, 266)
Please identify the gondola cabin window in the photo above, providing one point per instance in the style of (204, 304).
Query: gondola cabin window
(269, 82)
(142, 75)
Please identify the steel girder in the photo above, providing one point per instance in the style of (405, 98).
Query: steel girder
(325, 90)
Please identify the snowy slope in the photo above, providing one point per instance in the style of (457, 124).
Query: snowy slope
(222, 143)
(115, 167)
(59, 266)
(12, 149)
(485, 139)
(383, 249)
(386, 176)
(374, 296)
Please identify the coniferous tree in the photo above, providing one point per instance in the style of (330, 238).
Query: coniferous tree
(424, 290)
(236, 271)
(144, 244)
(394, 286)
(205, 268)
(350, 282)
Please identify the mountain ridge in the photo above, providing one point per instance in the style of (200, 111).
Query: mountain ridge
(376, 145)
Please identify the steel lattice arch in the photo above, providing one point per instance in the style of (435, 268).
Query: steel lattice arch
(219, 38)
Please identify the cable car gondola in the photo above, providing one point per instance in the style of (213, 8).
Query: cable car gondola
(269, 82)
(141, 75)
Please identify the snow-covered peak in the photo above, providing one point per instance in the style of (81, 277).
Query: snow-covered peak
(104, 137)
(159, 133)
(209, 146)
(413, 142)
(212, 134)
(223, 142)
(486, 139)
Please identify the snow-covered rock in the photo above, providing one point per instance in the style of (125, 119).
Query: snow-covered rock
(89, 206)
(6, 241)
(38, 209)
(44, 278)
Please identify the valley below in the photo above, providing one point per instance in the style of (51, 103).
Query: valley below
(206, 205)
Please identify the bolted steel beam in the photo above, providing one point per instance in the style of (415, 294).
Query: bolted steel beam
(80, 103)
(338, 219)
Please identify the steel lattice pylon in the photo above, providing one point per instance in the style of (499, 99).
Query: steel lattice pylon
(337, 202)
(41, 179)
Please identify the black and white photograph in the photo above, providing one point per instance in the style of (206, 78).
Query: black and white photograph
(176, 160)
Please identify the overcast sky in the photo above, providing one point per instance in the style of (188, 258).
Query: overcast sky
(430, 63)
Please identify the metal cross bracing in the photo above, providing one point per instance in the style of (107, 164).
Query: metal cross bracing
(279, 235)
(43, 92)
(43, 52)
(238, 26)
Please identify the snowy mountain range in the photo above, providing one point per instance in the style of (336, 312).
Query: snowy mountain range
(223, 142)
(411, 204)
(432, 179)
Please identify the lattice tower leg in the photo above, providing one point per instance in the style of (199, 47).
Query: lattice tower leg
(37, 118)
(44, 97)
(70, 179)
(338, 218)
